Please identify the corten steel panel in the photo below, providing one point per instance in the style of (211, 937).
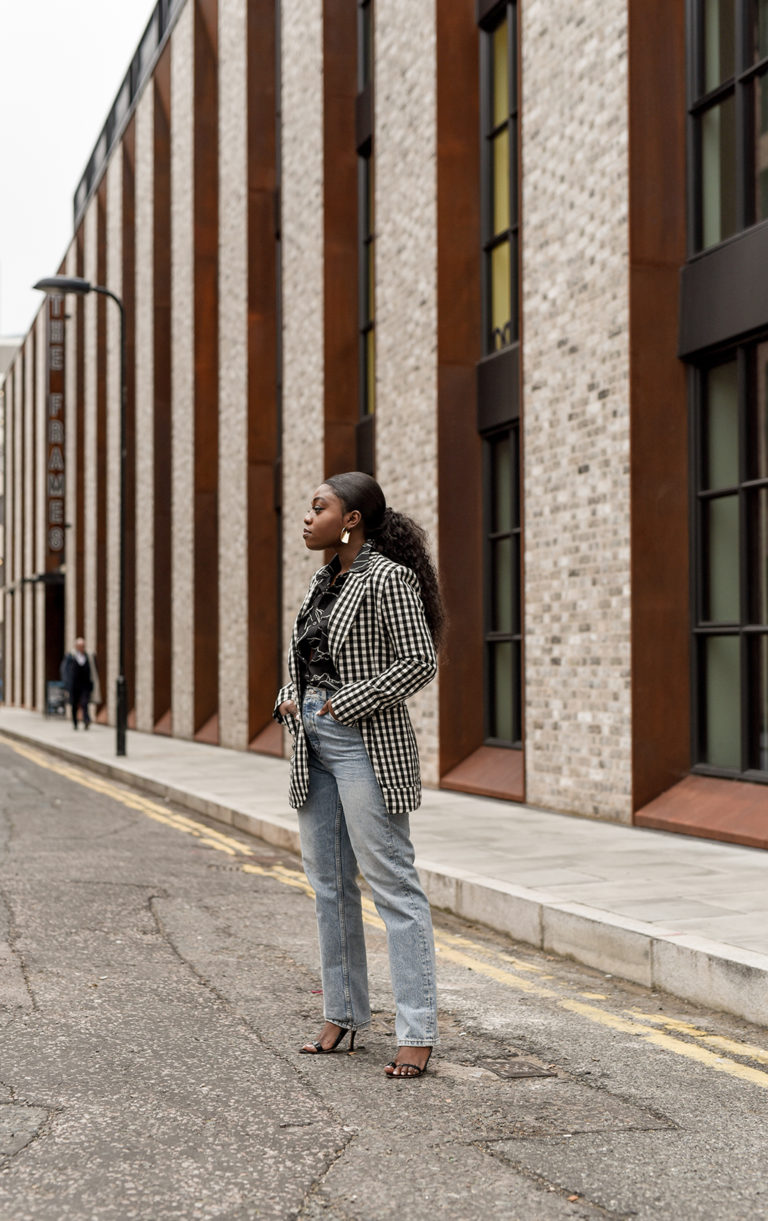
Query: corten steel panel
(658, 408)
(102, 407)
(162, 404)
(206, 308)
(459, 339)
(263, 519)
(78, 307)
(341, 405)
(129, 300)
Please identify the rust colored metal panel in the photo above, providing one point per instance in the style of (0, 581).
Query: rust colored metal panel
(129, 300)
(100, 474)
(206, 308)
(491, 771)
(264, 663)
(459, 339)
(341, 407)
(162, 404)
(658, 408)
(712, 809)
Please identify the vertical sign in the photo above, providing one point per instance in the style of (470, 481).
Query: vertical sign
(55, 470)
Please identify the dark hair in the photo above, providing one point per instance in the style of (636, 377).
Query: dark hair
(396, 536)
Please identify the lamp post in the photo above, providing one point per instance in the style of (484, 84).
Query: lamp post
(74, 284)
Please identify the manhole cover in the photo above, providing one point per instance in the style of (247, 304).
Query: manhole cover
(515, 1068)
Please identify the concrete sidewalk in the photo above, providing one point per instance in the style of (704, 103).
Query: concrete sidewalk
(685, 915)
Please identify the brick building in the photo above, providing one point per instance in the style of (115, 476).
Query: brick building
(502, 254)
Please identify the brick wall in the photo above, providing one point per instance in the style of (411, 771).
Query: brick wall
(576, 404)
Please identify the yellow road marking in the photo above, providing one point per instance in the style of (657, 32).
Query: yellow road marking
(461, 951)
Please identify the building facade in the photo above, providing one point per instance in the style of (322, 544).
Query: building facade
(499, 253)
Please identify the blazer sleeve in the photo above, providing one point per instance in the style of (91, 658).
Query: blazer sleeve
(285, 693)
(415, 664)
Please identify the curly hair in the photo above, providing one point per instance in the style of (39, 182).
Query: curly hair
(396, 536)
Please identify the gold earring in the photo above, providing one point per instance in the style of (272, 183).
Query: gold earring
(345, 535)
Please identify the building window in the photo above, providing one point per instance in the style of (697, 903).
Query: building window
(365, 172)
(367, 283)
(728, 114)
(498, 370)
(731, 565)
(500, 193)
(503, 640)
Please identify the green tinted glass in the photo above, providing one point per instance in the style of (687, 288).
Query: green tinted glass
(722, 732)
(718, 173)
(722, 601)
(502, 514)
(504, 682)
(718, 42)
(721, 450)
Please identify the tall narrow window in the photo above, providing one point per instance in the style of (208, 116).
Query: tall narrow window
(728, 112)
(503, 720)
(500, 172)
(731, 554)
(366, 236)
(498, 370)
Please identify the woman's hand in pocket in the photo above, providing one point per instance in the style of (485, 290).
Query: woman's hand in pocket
(327, 708)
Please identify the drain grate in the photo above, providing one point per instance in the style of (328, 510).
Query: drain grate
(515, 1068)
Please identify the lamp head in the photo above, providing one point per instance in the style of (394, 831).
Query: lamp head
(64, 284)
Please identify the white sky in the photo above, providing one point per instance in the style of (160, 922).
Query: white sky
(49, 125)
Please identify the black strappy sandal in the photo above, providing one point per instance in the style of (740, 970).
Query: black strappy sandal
(414, 1076)
(319, 1050)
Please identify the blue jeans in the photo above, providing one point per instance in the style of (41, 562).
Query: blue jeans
(344, 824)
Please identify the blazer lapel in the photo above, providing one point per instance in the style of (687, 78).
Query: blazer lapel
(348, 604)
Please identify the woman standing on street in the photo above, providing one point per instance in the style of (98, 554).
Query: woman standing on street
(364, 641)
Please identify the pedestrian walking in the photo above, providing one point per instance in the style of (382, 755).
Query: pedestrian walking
(363, 642)
(80, 676)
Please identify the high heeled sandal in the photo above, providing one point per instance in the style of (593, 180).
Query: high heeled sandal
(419, 1070)
(319, 1050)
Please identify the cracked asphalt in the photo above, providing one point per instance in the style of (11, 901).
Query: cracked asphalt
(157, 977)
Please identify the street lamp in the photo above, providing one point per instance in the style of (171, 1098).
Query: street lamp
(74, 284)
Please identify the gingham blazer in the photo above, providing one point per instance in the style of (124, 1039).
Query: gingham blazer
(382, 649)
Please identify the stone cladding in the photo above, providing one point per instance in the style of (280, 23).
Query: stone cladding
(182, 372)
(71, 459)
(233, 375)
(302, 287)
(110, 667)
(145, 410)
(90, 457)
(405, 177)
(576, 406)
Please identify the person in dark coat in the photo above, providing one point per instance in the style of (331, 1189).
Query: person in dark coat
(77, 674)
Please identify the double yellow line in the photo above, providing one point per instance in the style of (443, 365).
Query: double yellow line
(671, 1034)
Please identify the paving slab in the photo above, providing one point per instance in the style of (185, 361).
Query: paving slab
(686, 915)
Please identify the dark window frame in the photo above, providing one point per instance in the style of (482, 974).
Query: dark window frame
(499, 406)
(701, 101)
(488, 130)
(366, 234)
(703, 629)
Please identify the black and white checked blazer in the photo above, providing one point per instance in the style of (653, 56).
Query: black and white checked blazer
(382, 649)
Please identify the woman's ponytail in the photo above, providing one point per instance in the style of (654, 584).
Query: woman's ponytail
(396, 536)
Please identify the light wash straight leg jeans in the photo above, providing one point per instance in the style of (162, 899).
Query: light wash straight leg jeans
(344, 825)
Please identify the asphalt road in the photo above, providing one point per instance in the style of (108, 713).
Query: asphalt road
(158, 974)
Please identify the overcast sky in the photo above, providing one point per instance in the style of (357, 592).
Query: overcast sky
(49, 125)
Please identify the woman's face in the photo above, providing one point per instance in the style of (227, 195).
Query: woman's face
(324, 521)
